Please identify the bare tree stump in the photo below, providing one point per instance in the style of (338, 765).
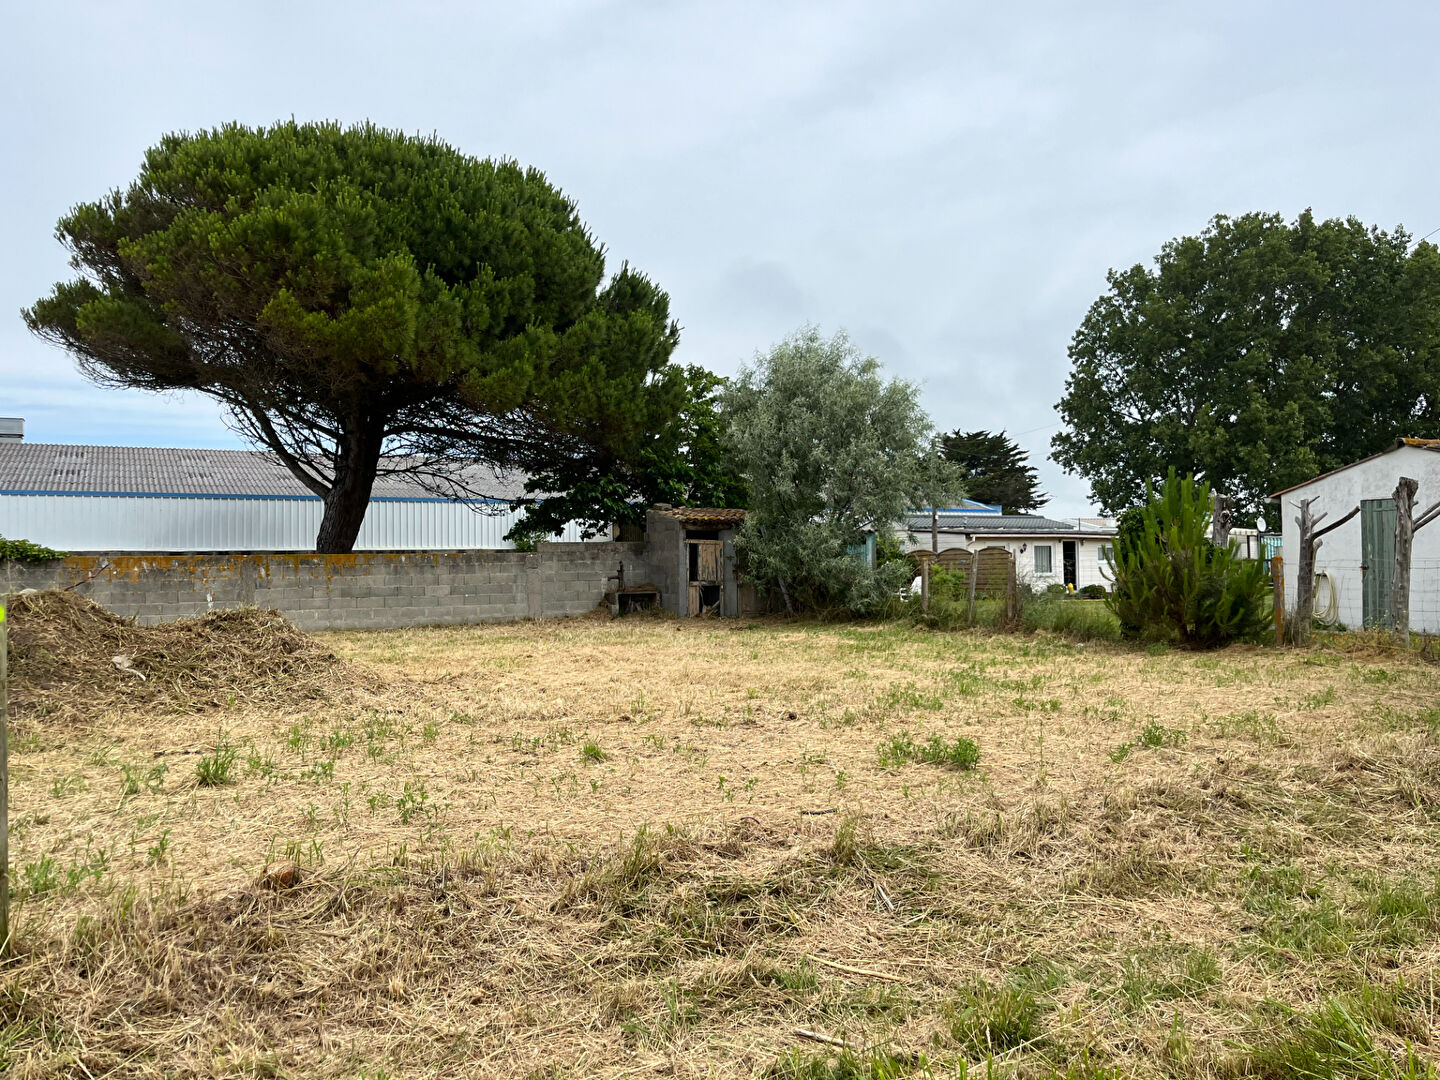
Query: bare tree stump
(1406, 525)
(1404, 537)
(1310, 544)
(1221, 515)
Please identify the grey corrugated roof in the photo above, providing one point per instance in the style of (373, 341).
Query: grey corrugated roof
(1007, 525)
(144, 470)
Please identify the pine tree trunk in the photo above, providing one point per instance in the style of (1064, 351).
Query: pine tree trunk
(349, 495)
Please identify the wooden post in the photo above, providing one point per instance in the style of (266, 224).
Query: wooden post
(934, 530)
(4, 784)
(1277, 583)
(1010, 590)
(925, 586)
(974, 574)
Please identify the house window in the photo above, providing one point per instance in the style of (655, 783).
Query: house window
(1042, 559)
(1107, 554)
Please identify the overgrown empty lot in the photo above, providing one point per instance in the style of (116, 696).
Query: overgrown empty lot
(648, 848)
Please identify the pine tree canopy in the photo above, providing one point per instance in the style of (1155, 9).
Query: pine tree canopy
(994, 469)
(366, 302)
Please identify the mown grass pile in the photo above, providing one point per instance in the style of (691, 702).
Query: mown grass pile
(649, 848)
(71, 657)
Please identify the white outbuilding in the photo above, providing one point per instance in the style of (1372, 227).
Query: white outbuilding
(1355, 565)
(144, 499)
(1048, 551)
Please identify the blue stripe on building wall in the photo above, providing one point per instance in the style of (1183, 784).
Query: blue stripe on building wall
(258, 498)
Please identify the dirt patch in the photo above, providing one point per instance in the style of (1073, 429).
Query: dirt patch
(71, 658)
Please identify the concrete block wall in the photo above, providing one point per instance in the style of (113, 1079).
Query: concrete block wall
(665, 542)
(575, 577)
(338, 592)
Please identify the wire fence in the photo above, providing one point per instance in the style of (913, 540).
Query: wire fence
(1346, 595)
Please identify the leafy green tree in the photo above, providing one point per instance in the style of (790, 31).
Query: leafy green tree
(1171, 581)
(994, 469)
(27, 551)
(1256, 355)
(683, 464)
(364, 303)
(831, 451)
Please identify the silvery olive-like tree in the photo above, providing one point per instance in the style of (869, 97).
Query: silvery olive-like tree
(831, 450)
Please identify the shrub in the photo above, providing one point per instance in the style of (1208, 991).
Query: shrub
(1094, 592)
(24, 551)
(1171, 582)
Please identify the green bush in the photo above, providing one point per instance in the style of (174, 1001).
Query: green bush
(26, 552)
(1094, 592)
(1172, 583)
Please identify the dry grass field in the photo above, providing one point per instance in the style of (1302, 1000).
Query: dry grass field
(647, 848)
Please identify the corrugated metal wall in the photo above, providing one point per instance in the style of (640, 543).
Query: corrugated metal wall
(143, 523)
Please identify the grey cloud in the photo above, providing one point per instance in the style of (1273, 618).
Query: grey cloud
(950, 182)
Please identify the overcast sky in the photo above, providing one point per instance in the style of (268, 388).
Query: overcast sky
(949, 182)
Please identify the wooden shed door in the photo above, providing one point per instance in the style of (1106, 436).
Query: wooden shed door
(1377, 560)
(705, 561)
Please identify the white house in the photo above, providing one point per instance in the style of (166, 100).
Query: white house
(1048, 551)
(1355, 564)
(144, 499)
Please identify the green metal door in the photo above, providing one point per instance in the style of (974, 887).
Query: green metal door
(1377, 559)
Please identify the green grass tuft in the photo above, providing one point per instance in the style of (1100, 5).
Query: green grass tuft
(213, 770)
(988, 1020)
(961, 754)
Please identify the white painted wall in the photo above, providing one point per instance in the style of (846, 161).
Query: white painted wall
(1341, 595)
(1090, 567)
(80, 523)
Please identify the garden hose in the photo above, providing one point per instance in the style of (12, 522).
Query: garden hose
(1329, 612)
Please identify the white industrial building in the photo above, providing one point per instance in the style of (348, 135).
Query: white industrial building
(1355, 565)
(1048, 551)
(143, 499)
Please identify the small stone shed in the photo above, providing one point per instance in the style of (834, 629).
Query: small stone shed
(690, 551)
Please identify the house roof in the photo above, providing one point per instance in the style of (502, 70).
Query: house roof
(967, 506)
(1418, 444)
(1009, 525)
(67, 469)
(704, 517)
